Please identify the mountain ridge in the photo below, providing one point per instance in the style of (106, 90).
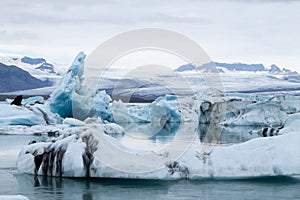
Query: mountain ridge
(218, 67)
(14, 78)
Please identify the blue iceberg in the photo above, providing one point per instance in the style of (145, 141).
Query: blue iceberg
(72, 99)
(162, 111)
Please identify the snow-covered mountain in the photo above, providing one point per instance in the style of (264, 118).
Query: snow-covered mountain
(235, 77)
(37, 67)
(13, 78)
(218, 67)
(26, 73)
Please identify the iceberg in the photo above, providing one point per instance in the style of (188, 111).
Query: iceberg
(72, 99)
(163, 110)
(28, 115)
(13, 197)
(19, 115)
(83, 154)
(245, 112)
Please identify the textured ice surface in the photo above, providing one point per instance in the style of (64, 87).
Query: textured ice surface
(19, 115)
(82, 154)
(247, 111)
(13, 197)
(61, 98)
(33, 100)
(73, 122)
(163, 110)
(72, 99)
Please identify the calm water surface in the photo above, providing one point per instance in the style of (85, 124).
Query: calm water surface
(11, 182)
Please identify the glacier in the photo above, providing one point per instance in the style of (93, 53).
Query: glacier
(89, 134)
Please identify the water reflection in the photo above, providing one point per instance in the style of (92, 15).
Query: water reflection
(218, 134)
(152, 131)
(92, 189)
(153, 135)
(41, 187)
(10, 145)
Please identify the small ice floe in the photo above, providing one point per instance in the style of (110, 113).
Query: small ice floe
(13, 197)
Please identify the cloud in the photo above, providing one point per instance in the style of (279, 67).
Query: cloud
(229, 30)
(256, 1)
(16, 36)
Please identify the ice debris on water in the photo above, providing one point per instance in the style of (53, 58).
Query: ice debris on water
(83, 116)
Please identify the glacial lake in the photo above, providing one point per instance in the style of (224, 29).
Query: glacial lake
(12, 182)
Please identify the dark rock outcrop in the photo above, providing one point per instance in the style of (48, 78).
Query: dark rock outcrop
(17, 101)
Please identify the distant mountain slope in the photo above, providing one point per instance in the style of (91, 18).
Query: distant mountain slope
(33, 61)
(13, 78)
(41, 63)
(37, 67)
(242, 67)
(214, 67)
(187, 67)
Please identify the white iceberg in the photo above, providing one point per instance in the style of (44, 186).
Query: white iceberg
(73, 122)
(32, 111)
(13, 197)
(20, 115)
(233, 111)
(85, 153)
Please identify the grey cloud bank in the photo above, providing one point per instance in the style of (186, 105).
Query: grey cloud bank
(243, 31)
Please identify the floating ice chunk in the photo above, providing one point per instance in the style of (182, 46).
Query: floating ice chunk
(19, 115)
(33, 100)
(163, 110)
(102, 107)
(83, 155)
(49, 117)
(113, 129)
(120, 113)
(266, 113)
(72, 99)
(65, 156)
(289, 104)
(73, 122)
(292, 124)
(258, 157)
(61, 99)
(243, 112)
(13, 197)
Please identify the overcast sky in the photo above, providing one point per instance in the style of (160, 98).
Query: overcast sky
(248, 31)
